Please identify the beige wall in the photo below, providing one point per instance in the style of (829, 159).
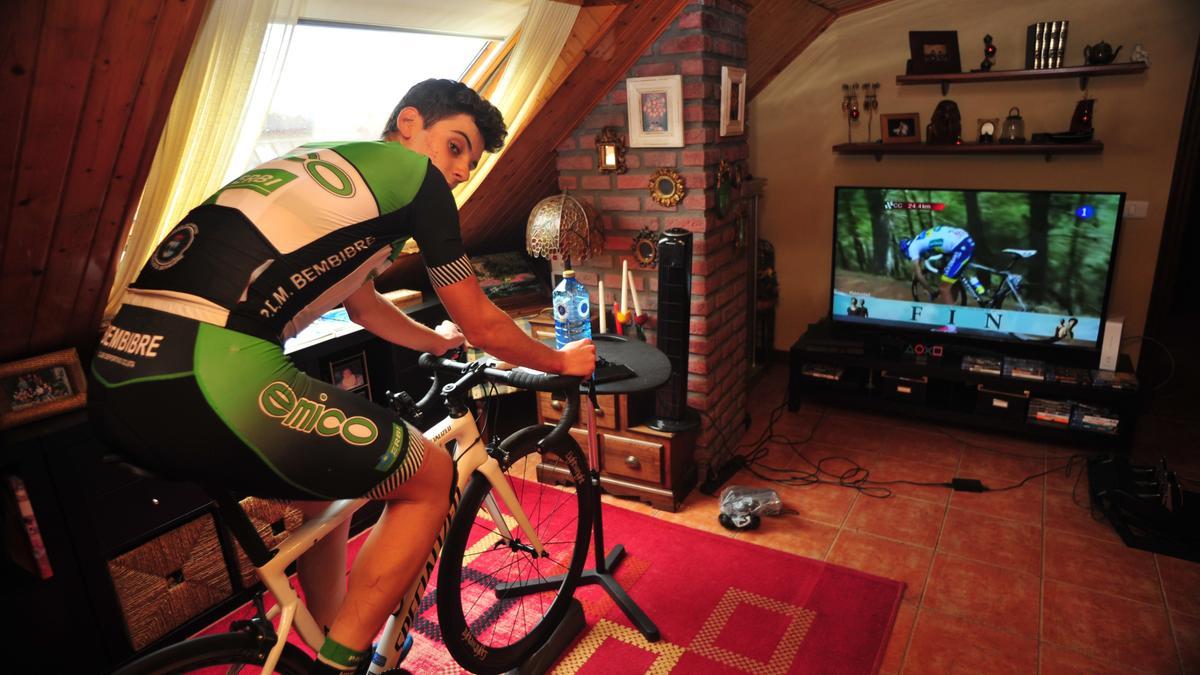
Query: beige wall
(795, 121)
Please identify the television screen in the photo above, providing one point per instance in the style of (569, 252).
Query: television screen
(1029, 266)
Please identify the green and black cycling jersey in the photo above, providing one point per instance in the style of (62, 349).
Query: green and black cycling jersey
(289, 240)
(190, 379)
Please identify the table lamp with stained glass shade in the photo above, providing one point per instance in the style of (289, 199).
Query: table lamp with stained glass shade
(563, 229)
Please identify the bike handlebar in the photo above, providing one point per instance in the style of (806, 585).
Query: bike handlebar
(518, 377)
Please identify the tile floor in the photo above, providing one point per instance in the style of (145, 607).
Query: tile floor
(1023, 581)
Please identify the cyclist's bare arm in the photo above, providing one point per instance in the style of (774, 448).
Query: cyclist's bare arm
(490, 329)
(372, 311)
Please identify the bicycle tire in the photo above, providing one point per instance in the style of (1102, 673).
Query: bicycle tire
(499, 636)
(212, 651)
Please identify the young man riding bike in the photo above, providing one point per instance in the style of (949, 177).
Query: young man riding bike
(191, 381)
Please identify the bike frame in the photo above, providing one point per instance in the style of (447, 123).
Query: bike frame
(470, 455)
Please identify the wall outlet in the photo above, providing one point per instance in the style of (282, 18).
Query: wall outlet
(1136, 209)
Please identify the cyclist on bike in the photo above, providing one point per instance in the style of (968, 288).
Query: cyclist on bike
(940, 240)
(190, 379)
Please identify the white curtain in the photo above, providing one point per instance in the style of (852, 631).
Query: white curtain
(543, 33)
(241, 42)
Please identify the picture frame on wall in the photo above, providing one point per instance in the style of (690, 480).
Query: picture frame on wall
(351, 374)
(41, 386)
(900, 127)
(733, 101)
(655, 108)
(933, 52)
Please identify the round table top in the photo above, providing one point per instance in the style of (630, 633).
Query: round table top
(649, 365)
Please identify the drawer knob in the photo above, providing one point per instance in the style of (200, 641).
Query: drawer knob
(633, 462)
(558, 405)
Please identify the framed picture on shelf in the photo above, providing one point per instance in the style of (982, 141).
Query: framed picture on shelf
(350, 374)
(933, 51)
(655, 106)
(41, 386)
(733, 101)
(900, 127)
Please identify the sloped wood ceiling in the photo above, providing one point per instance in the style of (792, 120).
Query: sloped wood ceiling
(87, 86)
(778, 30)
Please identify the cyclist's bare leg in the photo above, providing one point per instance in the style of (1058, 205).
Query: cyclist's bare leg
(395, 551)
(322, 570)
(946, 294)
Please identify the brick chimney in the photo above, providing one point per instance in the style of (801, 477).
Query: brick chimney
(707, 35)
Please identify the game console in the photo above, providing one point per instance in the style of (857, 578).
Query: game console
(1110, 346)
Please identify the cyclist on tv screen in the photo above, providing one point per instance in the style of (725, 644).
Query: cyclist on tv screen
(953, 245)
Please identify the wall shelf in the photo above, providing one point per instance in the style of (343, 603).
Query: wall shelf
(1046, 149)
(1082, 72)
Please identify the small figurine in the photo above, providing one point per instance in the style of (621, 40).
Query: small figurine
(850, 108)
(870, 104)
(1140, 55)
(989, 54)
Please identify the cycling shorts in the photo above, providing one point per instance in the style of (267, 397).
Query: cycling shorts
(959, 257)
(194, 401)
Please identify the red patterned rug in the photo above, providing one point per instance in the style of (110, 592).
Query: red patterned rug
(723, 606)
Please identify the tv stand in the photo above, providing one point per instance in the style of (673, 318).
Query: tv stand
(924, 377)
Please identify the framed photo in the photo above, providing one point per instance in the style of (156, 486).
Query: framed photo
(655, 106)
(351, 374)
(41, 386)
(988, 130)
(733, 101)
(934, 51)
(900, 127)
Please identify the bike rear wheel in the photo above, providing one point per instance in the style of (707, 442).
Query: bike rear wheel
(489, 630)
(240, 652)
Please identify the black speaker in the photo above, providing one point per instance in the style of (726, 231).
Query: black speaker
(674, 319)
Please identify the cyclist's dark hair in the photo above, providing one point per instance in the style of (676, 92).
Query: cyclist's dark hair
(439, 99)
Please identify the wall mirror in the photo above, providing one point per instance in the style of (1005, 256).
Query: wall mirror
(666, 187)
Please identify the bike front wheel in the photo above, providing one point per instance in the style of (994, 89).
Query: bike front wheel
(488, 623)
(240, 652)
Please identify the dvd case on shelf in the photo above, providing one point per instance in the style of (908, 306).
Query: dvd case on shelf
(1066, 375)
(1094, 418)
(822, 371)
(1114, 380)
(1051, 412)
(986, 365)
(1024, 369)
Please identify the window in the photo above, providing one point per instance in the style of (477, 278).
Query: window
(339, 82)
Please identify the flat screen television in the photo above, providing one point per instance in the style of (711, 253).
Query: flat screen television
(1032, 267)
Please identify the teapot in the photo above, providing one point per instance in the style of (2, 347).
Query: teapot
(1100, 53)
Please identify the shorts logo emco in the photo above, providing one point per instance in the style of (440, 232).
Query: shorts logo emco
(301, 414)
(171, 250)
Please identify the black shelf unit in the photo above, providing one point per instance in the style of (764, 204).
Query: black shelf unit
(1047, 150)
(939, 389)
(1083, 72)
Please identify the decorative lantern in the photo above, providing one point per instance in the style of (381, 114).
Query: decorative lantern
(1013, 130)
(610, 151)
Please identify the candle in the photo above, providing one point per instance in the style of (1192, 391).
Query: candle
(603, 310)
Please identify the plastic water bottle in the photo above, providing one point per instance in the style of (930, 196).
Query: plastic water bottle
(572, 310)
(974, 281)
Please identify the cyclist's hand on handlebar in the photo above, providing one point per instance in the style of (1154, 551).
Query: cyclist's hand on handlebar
(579, 358)
(451, 335)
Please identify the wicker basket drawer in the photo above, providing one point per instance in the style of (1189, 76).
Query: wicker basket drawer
(170, 579)
(632, 458)
(274, 521)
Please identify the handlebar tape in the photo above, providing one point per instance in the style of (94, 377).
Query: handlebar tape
(520, 378)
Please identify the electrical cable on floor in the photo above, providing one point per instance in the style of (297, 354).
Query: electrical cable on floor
(855, 476)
